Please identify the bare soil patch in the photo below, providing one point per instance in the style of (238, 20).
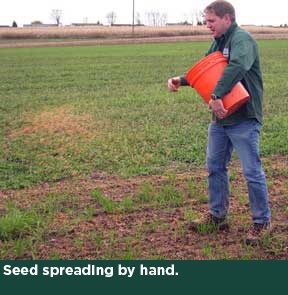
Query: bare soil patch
(61, 120)
(154, 231)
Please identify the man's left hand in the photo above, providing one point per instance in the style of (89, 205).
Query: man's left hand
(218, 109)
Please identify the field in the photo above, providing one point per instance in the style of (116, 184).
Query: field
(99, 161)
(103, 35)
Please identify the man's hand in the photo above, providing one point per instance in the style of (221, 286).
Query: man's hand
(218, 109)
(174, 84)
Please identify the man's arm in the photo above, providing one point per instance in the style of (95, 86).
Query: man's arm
(242, 56)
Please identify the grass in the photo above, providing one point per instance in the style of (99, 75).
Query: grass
(16, 224)
(72, 110)
(69, 114)
(98, 125)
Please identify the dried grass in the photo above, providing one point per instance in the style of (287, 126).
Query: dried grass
(98, 32)
(56, 123)
(103, 32)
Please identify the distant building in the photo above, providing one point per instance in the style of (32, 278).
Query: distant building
(127, 25)
(86, 24)
(179, 24)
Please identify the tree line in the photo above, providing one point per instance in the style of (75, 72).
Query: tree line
(156, 18)
(151, 18)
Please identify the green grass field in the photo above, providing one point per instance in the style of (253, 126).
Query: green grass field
(71, 111)
(67, 113)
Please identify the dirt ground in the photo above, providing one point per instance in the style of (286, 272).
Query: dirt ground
(155, 232)
(174, 39)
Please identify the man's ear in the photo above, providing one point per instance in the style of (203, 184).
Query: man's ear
(227, 18)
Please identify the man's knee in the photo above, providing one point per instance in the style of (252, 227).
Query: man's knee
(214, 165)
(253, 174)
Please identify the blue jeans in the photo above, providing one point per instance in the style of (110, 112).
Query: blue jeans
(244, 137)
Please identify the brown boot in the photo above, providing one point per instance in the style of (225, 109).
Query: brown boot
(258, 233)
(208, 223)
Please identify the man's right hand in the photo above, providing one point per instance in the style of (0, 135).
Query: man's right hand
(174, 84)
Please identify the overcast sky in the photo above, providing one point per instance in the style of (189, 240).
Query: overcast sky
(258, 12)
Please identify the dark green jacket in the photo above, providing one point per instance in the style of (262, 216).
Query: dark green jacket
(241, 51)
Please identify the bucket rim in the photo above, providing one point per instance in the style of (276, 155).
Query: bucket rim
(208, 61)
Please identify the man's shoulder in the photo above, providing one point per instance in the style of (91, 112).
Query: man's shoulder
(240, 34)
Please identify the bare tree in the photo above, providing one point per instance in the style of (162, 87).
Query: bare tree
(155, 18)
(199, 15)
(56, 15)
(111, 17)
(163, 19)
(150, 18)
(190, 17)
(138, 19)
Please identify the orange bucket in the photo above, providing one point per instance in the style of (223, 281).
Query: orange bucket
(204, 76)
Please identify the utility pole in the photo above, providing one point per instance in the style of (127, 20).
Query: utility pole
(133, 17)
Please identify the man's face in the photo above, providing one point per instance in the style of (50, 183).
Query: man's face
(216, 24)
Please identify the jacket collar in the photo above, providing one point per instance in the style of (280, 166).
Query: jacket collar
(229, 31)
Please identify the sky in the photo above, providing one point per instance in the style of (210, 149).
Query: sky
(255, 12)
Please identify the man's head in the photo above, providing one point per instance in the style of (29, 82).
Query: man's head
(219, 16)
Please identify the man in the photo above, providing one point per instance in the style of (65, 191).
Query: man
(239, 130)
